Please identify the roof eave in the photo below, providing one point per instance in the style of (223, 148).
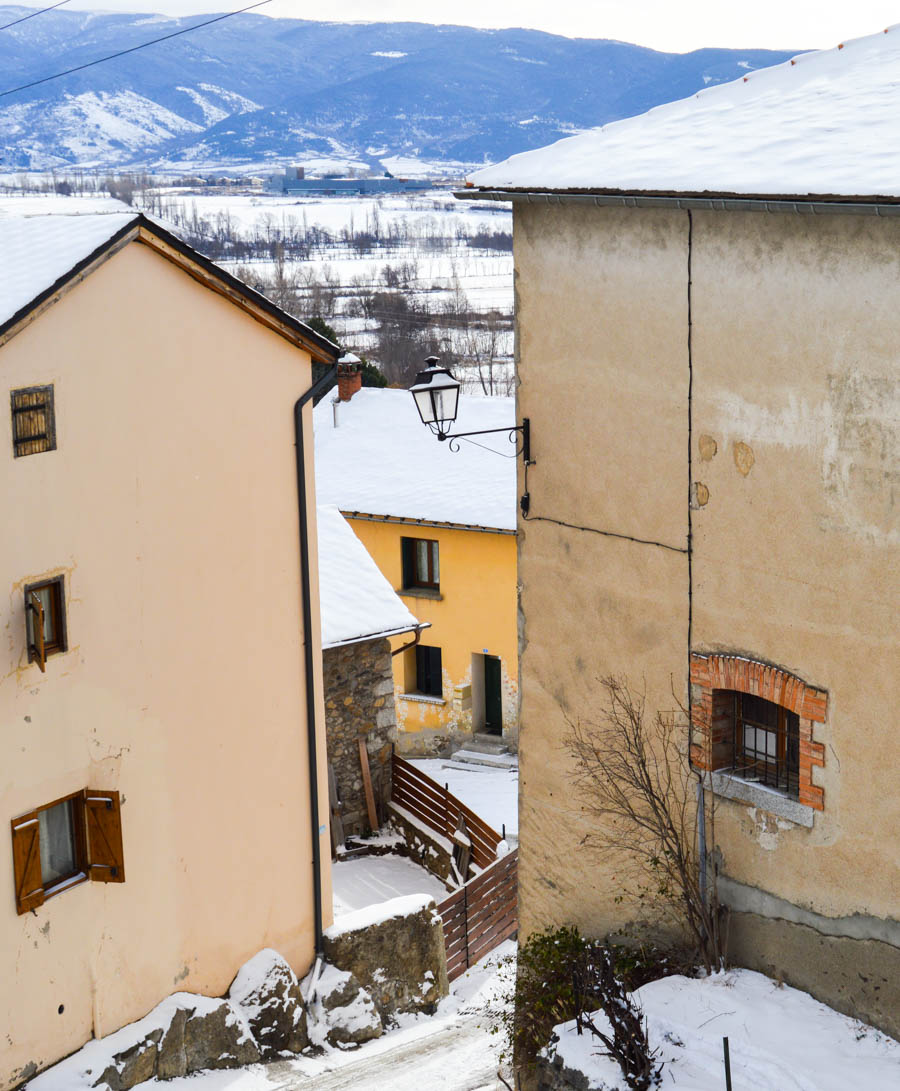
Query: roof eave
(418, 627)
(808, 204)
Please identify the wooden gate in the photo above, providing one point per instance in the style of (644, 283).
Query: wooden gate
(481, 914)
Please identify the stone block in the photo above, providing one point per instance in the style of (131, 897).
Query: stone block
(267, 992)
(344, 1010)
(132, 1065)
(171, 1061)
(396, 951)
(216, 1035)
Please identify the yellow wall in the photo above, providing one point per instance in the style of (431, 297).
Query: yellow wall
(475, 613)
(170, 506)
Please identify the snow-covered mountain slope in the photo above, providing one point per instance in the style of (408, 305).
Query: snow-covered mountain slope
(254, 90)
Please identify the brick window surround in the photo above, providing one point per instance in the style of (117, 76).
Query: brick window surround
(711, 747)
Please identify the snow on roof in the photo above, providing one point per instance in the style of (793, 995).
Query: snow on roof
(381, 460)
(43, 239)
(823, 123)
(356, 600)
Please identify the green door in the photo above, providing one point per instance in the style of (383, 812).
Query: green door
(493, 701)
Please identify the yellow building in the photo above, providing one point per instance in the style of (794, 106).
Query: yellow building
(440, 524)
(156, 683)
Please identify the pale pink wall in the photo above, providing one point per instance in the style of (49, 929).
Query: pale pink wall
(170, 505)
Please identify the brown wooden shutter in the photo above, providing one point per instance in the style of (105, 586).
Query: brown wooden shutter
(104, 833)
(26, 841)
(37, 629)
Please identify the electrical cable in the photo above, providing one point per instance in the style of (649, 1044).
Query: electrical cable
(134, 48)
(25, 18)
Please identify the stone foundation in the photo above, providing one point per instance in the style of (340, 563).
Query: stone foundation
(359, 701)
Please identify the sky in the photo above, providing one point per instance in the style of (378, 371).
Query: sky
(660, 24)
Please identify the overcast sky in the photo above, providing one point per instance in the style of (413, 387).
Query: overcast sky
(661, 24)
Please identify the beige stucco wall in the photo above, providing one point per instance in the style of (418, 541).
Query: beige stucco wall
(795, 342)
(170, 506)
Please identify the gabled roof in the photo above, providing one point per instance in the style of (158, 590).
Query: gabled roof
(381, 460)
(42, 255)
(357, 602)
(823, 125)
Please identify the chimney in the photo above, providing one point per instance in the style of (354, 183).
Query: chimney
(349, 379)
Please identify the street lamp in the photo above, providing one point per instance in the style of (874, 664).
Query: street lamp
(436, 394)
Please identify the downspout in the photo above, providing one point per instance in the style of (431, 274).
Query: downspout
(308, 663)
(417, 632)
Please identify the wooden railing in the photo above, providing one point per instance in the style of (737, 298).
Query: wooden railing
(481, 914)
(484, 911)
(439, 809)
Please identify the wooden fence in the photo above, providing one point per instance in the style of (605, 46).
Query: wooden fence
(484, 911)
(432, 804)
(481, 914)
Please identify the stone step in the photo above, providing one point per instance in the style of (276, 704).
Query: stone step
(480, 757)
(486, 744)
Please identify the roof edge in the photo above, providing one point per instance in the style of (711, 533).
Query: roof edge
(419, 627)
(412, 521)
(810, 204)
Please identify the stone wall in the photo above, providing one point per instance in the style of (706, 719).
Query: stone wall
(359, 700)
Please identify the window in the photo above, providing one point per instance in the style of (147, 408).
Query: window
(45, 620)
(428, 671)
(421, 564)
(765, 742)
(752, 730)
(65, 843)
(33, 420)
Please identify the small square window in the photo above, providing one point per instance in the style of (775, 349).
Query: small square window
(33, 420)
(766, 741)
(421, 563)
(45, 620)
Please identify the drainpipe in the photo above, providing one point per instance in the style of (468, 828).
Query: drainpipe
(309, 666)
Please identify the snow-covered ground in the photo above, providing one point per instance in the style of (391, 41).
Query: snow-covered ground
(453, 1050)
(365, 880)
(780, 1039)
(493, 794)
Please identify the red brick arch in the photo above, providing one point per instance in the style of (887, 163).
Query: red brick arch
(711, 745)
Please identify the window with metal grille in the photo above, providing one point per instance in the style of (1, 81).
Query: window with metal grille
(428, 671)
(421, 563)
(766, 742)
(33, 420)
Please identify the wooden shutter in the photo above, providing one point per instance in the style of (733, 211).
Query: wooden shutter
(37, 649)
(103, 819)
(428, 671)
(26, 841)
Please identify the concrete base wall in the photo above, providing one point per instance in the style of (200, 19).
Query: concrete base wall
(858, 977)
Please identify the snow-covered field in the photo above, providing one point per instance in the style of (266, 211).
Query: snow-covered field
(780, 1039)
(493, 794)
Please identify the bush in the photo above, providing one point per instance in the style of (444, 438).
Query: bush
(562, 975)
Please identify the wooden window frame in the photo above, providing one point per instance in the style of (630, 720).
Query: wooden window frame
(98, 856)
(39, 648)
(24, 445)
(412, 577)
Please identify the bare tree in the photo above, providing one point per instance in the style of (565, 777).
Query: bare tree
(637, 783)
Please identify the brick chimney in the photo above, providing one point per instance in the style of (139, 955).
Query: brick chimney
(349, 380)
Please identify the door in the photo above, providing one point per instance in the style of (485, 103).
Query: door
(493, 699)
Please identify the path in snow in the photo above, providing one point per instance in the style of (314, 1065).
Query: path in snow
(459, 1055)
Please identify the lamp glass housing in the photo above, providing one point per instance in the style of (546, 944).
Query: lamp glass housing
(436, 394)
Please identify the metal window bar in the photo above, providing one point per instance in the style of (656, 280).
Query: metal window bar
(766, 743)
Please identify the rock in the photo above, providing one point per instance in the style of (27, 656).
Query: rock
(216, 1035)
(132, 1065)
(344, 1010)
(399, 959)
(171, 1061)
(267, 992)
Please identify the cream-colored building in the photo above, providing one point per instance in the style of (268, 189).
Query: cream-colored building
(708, 346)
(156, 761)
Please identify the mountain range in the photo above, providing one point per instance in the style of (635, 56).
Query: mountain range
(252, 91)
